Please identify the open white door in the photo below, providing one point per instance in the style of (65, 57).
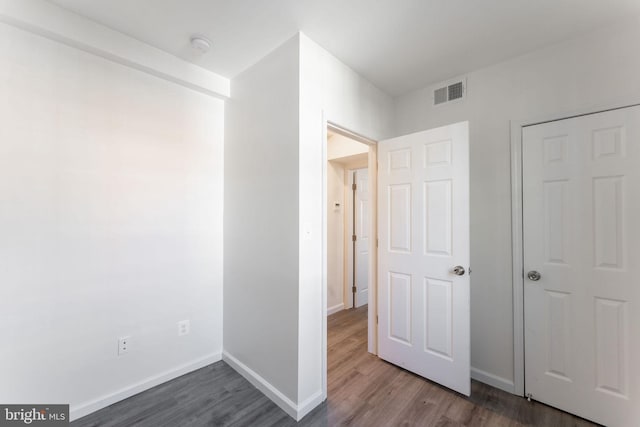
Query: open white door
(423, 254)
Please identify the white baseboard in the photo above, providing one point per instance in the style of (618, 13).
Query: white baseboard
(78, 411)
(263, 385)
(493, 380)
(287, 405)
(336, 308)
(308, 405)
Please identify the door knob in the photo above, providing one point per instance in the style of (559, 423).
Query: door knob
(533, 276)
(458, 270)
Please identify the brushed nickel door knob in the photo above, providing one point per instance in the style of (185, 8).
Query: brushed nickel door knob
(458, 270)
(534, 276)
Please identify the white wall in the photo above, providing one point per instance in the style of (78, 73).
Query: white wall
(273, 220)
(326, 87)
(261, 223)
(111, 223)
(597, 69)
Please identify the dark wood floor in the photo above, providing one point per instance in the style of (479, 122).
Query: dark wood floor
(362, 391)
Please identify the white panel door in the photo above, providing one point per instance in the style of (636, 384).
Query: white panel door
(581, 204)
(423, 230)
(362, 236)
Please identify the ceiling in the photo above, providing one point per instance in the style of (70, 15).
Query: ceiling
(398, 45)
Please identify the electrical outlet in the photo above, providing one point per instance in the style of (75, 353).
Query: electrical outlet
(123, 345)
(183, 327)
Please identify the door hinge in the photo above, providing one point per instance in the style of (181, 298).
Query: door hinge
(377, 243)
(353, 237)
(354, 187)
(376, 319)
(353, 289)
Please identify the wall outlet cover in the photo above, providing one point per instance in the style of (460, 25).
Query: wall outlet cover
(123, 345)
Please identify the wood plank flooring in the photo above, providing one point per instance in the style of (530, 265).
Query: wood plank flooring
(362, 391)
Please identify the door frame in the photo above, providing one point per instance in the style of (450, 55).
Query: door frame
(517, 241)
(372, 327)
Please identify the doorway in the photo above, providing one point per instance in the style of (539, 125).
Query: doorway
(421, 249)
(579, 177)
(348, 222)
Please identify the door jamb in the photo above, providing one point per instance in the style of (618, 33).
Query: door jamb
(517, 248)
(517, 256)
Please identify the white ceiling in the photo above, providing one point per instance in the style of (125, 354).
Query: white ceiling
(398, 45)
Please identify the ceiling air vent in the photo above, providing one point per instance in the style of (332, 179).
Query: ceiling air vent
(449, 93)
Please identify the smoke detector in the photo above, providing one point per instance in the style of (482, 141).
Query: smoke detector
(200, 43)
